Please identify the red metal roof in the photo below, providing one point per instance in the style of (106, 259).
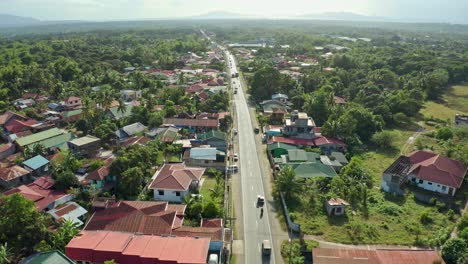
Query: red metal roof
(8, 115)
(343, 256)
(436, 168)
(379, 256)
(408, 256)
(215, 233)
(147, 217)
(6, 147)
(8, 174)
(212, 222)
(39, 192)
(318, 141)
(16, 125)
(94, 246)
(99, 174)
(176, 177)
(187, 122)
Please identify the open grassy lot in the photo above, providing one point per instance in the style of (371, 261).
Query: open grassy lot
(386, 220)
(208, 184)
(455, 101)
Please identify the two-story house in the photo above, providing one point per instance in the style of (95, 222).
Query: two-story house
(299, 126)
(87, 146)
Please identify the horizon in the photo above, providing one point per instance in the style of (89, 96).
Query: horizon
(430, 11)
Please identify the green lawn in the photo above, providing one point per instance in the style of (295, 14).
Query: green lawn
(455, 101)
(208, 184)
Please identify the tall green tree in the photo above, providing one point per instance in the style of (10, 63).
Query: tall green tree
(21, 226)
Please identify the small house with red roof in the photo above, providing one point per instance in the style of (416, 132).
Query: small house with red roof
(13, 176)
(7, 150)
(42, 193)
(9, 116)
(174, 181)
(144, 217)
(425, 170)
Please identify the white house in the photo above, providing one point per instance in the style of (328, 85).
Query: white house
(425, 170)
(173, 181)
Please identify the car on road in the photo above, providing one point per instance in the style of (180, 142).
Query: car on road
(235, 91)
(236, 157)
(260, 201)
(234, 131)
(257, 130)
(266, 248)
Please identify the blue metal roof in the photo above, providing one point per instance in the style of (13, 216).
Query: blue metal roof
(36, 162)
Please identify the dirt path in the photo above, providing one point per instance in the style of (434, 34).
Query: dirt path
(412, 138)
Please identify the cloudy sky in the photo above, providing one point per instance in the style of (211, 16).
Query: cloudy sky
(455, 11)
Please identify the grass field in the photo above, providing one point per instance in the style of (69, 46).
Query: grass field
(208, 184)
(455, 101)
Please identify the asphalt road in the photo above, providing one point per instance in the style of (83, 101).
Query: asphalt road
(256, 228)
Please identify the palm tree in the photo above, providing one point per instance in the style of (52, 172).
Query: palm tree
(105, 97)
(286, 182)
(122, 108)
(87, 108)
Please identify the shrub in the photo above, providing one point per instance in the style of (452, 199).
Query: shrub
(444, 133)
(463, 222)
(426, 217)
(464, 234)
(390, 209)
(384, 139)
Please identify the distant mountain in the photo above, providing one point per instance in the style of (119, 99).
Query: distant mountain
(347, 16)
(17, 21)
(221, 15)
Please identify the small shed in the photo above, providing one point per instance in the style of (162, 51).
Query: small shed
(336, 206)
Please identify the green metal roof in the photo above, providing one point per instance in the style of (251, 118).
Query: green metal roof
(168, 135)
(340, 157)
(49, 257)
(212, 134)
(59, 141)
(84, 140)
(308, 170)
(34, 138)
(312, 157)
(72, 113)
(118, 115)
(297, 155)
(36, 162)
(277, 145)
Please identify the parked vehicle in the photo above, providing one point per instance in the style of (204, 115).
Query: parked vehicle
(236, 157)
(231, 169)
(257, 130)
